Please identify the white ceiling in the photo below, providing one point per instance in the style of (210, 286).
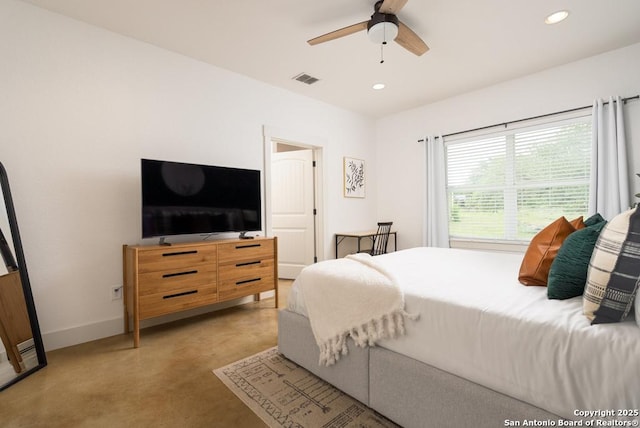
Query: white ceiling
(474, 43)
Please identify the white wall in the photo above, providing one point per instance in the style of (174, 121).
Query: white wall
(400, 157)
(80, 107)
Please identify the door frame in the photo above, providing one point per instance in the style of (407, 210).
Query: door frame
(316, 145)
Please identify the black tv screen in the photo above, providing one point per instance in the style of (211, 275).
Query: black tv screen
(183, 198)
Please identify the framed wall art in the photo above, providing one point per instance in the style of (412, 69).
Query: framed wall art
(353, 180)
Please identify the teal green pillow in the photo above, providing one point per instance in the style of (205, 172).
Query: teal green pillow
(568, 273)
(594, 219)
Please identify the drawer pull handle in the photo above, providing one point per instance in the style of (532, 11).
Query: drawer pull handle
(170, 275)
(248, 263)
(239, 247)
(179, 253)
(246, 281)
(185, 293)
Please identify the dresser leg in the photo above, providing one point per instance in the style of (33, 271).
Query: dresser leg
(136, 331)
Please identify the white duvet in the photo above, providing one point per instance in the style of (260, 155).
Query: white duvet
(478, 322)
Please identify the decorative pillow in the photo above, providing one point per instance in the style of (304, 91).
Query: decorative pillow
(568, 273)
(637, 308)
(615, 263)
(542, 249)
(623, 284)
(594, 219)
(577, 223)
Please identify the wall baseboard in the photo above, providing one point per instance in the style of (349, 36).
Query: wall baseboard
(113, 327)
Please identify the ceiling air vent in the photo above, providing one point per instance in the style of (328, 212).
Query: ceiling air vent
(305, 78)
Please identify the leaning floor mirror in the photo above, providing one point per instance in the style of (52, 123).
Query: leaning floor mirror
(21, 352)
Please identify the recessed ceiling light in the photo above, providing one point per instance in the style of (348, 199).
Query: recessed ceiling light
(556, 17)
(378, 86)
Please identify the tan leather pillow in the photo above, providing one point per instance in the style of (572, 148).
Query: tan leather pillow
(578, 223)
(543, 248)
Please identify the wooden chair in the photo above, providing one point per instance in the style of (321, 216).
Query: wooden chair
(381, 239)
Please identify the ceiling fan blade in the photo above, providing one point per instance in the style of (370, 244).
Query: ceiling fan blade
(392, 6)
(410, 40)
(339, 33)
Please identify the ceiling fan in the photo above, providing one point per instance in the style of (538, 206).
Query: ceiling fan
(383, 26)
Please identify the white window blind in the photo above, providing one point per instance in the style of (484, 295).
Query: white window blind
(508, 185)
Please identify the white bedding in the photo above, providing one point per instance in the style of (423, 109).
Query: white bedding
(478, 322)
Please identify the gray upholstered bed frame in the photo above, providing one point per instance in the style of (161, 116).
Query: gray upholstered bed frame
(409, 392)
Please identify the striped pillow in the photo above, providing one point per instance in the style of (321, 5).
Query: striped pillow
(614, 270)
(637, 309)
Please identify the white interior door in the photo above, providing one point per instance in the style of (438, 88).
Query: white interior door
(292, 210)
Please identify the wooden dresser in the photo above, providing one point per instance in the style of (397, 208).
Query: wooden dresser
(161, 279)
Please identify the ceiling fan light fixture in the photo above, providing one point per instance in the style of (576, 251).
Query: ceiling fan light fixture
(383, 32)
(382, 28)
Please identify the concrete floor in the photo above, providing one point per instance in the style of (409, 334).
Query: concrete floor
(167, 382)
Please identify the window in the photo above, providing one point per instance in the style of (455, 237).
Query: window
(508, 185)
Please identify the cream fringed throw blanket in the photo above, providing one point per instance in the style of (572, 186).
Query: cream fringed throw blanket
(351, 297)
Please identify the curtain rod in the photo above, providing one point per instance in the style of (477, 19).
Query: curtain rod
(505, 124)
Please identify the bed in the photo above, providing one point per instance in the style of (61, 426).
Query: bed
(485, 350)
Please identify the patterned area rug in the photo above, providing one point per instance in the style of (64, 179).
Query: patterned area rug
(284, 394)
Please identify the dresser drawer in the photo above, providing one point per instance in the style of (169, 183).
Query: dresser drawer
(244, 279)
(242, 289)
(173, 279)
(246, 250)
(153, 305)
(175, 257)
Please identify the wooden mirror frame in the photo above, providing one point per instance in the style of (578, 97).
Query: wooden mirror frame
(24, 278)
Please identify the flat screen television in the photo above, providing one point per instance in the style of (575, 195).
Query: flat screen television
(184, 198)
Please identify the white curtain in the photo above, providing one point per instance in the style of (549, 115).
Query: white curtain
(436, 218)
(609, 187)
